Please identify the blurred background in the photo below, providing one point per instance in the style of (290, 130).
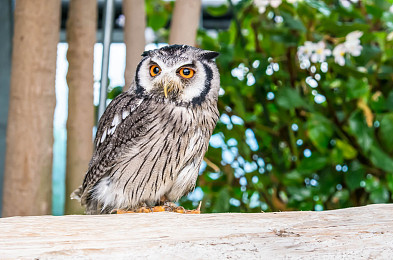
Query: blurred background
(306, 97)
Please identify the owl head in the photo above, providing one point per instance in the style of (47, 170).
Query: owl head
(178, 73)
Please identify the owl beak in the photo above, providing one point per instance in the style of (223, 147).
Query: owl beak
(168, 87)
(166, 90)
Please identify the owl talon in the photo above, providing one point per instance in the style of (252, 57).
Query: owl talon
(143, 210)
(159, 209)
(120, 211)
(180, 210)
(195, 211)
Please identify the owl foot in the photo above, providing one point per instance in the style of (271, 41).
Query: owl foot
(139, 210)
(172, 207)
(120, 211)
(195, 211)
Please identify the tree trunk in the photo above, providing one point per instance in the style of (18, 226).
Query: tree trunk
(81, 36)
(28, 164)
(185, 22)
(134, 36)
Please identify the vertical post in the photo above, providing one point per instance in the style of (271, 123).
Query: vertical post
(134, 36)
(5, 72)
(81, 37)
(108, 28)
(28, 163)
(185, 22)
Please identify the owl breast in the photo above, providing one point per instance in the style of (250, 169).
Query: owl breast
(163, 160)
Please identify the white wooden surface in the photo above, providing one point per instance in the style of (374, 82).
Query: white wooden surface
(354, 233)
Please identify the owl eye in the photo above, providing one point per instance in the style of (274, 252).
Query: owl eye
(154, 70)
(186, 73)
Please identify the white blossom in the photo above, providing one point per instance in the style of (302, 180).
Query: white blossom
(320, 52)
(391, 9)
(347, 3)
(306, 50)
(339, 53)
(351, 45)
(275, 3)
(314, 52)
(262, 4)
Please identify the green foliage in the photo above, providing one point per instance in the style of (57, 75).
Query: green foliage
(294, 136)
(310, 154)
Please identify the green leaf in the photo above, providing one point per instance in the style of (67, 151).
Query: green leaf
(320, 131)
(114, 92)
(380, 195)
(289, 98)
(312, 163)
(357, 88)
(389, 179)
(158, 20)
(222, 203)
(320, 6)
(381, 159)
(360, 130)
(293, 23)
(386, 131)
(217, 10)
(355, 175)
(348, 151)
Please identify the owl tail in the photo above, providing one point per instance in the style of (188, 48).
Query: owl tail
(76, 194)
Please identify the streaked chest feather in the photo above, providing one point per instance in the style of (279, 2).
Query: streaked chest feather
(163, 161)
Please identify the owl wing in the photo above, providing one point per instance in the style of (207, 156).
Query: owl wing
(122, 121)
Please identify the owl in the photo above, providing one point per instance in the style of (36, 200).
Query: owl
(151, 139)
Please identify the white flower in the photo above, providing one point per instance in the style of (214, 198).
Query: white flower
(314, 52)
(352, 43)
(320, 52)
(347, 3)
(391, 9)
(275, 3)
(355, 35)
(262, 4)
(306, 50)
(339, 53)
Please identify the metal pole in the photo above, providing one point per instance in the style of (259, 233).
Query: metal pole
(106, 43)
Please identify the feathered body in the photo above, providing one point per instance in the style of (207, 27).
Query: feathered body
(151, 140)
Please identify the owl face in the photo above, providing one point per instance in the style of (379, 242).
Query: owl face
(178, 73)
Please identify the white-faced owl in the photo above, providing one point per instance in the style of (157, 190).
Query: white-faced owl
(151, 139)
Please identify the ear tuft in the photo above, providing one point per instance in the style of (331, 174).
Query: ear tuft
(209, 55)
(145, 53)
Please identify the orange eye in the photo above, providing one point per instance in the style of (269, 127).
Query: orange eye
(186, 73)
(154, 70)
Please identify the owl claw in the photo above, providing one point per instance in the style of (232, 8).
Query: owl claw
(159, 209)
(120, 211)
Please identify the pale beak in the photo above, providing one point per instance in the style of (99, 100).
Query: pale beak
(166, 90)
(168, 87)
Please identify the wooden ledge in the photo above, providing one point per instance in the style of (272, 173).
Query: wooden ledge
(362, 232)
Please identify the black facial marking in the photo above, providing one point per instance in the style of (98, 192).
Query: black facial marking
(209, 77)
(139, 89)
